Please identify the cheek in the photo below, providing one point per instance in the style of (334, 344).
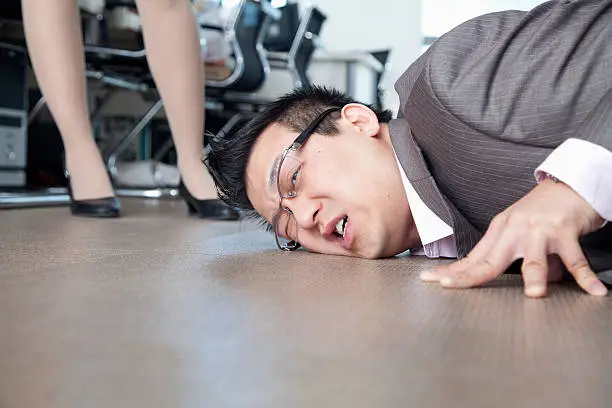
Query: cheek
(347, 172)
(333, 174)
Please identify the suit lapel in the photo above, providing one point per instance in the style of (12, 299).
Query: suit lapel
(412, 161)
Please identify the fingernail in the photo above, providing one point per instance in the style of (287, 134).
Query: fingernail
(535, 290)
(597, 288)
(447, 281)
(428, 276)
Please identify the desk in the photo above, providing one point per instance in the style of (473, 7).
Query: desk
(354, 72)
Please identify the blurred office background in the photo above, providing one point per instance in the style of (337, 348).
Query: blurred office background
(253, 51)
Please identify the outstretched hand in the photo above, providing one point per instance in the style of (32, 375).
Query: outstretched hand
(546, 222)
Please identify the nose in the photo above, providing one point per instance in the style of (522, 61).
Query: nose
(304, 210)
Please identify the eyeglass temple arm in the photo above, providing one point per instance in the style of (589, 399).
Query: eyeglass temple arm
(310, 129)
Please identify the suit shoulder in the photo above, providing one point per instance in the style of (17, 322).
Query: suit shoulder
(452, 49)
(474, 37)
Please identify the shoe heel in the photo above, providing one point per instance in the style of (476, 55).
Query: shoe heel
(211, 209)
(191, 208)
(107, 207)
(188, 199)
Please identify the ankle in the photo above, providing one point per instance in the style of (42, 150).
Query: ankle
(199, 184)
(78, 145)
(190, 163)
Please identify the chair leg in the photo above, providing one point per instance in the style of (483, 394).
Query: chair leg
(116, 81)
(127, 139)
(163, 150)
(41, 103)
(231, 123)
(36, 109)
(169, 143)
(102, 102)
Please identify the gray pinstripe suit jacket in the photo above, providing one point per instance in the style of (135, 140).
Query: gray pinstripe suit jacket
(490, 100)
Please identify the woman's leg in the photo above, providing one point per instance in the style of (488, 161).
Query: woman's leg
(55, 45)
(173, 51)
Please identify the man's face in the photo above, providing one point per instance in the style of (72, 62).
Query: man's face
(352, 176)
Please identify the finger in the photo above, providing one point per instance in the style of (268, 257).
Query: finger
(485, 269)
(479, 252)
(578, 266)
(479, 273)
(439, 272)
(488, 261)
(535, 265)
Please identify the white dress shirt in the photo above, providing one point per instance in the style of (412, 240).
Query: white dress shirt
(437, 237)
(584, 166)
(587, 168)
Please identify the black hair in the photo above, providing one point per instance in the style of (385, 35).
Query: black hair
(228, 154)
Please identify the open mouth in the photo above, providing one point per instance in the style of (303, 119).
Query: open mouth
(341, 227)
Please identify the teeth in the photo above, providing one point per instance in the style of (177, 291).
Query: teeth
(340, 226)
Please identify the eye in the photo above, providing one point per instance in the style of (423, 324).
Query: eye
(295, 176)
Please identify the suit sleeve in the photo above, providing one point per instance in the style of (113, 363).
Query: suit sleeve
(587, 168)
(542, 79)
(597, 127)
(585, 162)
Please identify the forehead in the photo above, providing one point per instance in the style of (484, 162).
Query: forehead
(268, 146)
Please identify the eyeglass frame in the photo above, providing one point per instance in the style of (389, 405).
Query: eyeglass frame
(298, 143)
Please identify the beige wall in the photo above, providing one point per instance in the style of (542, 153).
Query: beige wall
(372, 25)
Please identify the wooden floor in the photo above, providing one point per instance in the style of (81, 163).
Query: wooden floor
(161, 310)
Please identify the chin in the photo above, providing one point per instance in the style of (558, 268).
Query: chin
(369, 253)
(380, 254)
(382, 249)
(379, 244)
(374, 252)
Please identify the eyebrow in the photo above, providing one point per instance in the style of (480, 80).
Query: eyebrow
(272, 181)
(273, 177)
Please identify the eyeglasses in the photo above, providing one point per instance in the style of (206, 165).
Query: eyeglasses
(289, 181)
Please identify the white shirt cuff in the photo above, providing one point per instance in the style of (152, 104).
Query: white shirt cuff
(587, 168)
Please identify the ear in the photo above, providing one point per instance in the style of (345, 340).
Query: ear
(362, 118)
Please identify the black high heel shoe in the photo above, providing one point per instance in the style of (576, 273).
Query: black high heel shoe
(211, 209)
(107, 207)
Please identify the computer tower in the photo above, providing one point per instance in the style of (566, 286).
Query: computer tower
(13, 116)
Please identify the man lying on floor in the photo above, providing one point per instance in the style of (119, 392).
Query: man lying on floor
(502, 152)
